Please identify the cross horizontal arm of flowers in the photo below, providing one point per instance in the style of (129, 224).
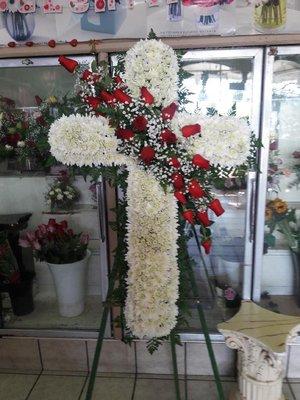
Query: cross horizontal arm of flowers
(134, 120)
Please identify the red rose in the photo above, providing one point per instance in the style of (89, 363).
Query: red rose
(11, 44)
(177, 180)
(190, 130)
(38, 100)
(202, 216)
(146, 96)
(180, 197)
(118, 80)
(41, 120)
(140, 123)
(122, 97)
(206, 245)
(147, 154)
(124, 134)
(216, 207)
(200, 162)
(86, 75)
(188, 215)
(174, 162)
(69, 64)
(169, 111)
(93, 102)
(195, 189)
(107, 97)
(13, 139)
(29, 44)
(168, 136)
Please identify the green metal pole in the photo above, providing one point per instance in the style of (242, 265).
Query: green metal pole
(175, 366)
(206, 334)
(112, 278)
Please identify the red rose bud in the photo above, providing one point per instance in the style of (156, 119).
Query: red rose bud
(52, 43)
(122, 97)
(73, 42)
(200, 162)
(140, 123)
(107, 97)
(11, 44)
(86, 75)
(146, 96)
(202, 217)
(206, 244)
(216, 207)
(169, 112)
(177, 180)
(69, 64)
(38, 100)
(118, 80)
(41, 121)
(188, 215)
(190, 130)
(124, 134)
(180, 197)
(174, 162)
(93, 102)
(195, 189)
(168, 136)
(29, 44)
(147, 154)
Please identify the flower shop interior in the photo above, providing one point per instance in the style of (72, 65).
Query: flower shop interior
(149, 199)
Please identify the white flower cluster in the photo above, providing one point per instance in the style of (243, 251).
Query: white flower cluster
(82, 140)
(152, 64)
(153, 276)
(224, 141)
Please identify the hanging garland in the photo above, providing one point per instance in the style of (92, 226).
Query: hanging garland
(172, 157)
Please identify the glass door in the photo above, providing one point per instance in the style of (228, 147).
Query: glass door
(277, 279)
(24, 83)
(227, 80)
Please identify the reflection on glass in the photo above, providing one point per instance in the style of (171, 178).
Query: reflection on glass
(23, 194)
(22, 84)
(281, 279)
(220, 84)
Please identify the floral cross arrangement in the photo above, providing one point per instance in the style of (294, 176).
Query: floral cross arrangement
(134, 119)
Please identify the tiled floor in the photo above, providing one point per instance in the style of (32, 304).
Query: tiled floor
(51, 386)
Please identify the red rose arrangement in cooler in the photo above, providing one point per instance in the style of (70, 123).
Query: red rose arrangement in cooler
(172, 157)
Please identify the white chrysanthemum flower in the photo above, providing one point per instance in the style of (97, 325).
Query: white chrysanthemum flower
(153, 276)
(224, 141)
(153, 64)
(79, 140)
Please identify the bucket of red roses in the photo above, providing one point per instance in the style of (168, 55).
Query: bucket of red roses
(67, 256)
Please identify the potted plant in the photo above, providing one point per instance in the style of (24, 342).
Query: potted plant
(11, 280)
(67, 256)
(278, 217)
(62, 194)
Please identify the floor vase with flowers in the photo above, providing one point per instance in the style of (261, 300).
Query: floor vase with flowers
(70, 286)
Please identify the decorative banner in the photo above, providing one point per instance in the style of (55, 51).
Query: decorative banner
(39, 21)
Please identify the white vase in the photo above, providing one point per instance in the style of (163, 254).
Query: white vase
(70, 282)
